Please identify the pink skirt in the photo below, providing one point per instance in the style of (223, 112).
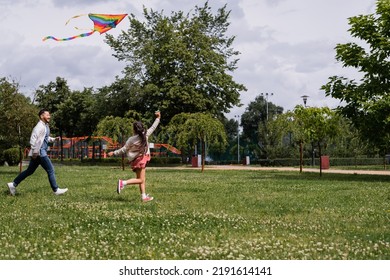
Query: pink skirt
(140, 162)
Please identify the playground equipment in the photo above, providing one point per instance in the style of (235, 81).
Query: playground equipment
(98, 146)
(82, 147)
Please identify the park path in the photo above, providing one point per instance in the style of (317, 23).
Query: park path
(315, 170)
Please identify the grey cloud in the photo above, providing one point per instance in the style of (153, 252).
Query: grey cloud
(72, 3)
(307, 57)
(81, 66)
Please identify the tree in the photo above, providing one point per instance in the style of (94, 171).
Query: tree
(316, 125)
(187, 129)
(183, 62)
(367, 102)
(254, 123)
(76, 113)
(119, 129)
(52, 95)
(18, 116)
(348, 143)
(277, 137)
(119, 97)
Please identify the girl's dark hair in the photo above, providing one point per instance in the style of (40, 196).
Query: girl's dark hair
(140, 130)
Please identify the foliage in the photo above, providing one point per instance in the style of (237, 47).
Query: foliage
(120, 97)
(12, 156)
(256, 114)
(76, 113)
(182, 62)
(119, 129)
(187, 129)
(347, 143)
(319, 124)
(18, 116)
(367, 101)
(50, 97)
(276, 137)
(217, 215)
(316, 125)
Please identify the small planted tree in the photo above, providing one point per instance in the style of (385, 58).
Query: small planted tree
(317, 125)
(117, 128)
(187, 129)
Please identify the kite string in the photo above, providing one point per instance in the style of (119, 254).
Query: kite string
(76, 26)
(75, 17)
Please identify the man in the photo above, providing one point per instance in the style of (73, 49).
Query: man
(39, 141)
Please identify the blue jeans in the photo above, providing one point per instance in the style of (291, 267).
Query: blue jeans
(45, 162)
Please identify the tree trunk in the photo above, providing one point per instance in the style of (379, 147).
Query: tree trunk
(62, 146)
(320, 155)
(300, 157)
(203, 154)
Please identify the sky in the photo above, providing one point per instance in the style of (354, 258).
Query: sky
(286, 46)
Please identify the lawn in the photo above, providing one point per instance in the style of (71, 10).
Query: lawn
(218, 214)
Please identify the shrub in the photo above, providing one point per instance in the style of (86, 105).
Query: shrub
(161, 161)
(12, 156)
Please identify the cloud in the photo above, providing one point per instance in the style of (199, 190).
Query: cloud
(81, 66)
(80, 3)
(287, 47)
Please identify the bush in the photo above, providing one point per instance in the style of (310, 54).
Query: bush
(161, 161)
(12, 156)
(155, 161)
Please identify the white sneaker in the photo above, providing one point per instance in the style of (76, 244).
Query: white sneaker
(60, 191)
(147, 198)
(12, 188)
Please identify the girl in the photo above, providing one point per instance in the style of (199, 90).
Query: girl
(138, 154)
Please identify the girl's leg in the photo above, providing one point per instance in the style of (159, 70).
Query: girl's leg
(141, 175)
(140, 180)
(136, 180)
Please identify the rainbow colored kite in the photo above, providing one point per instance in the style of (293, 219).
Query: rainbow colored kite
(101, 23)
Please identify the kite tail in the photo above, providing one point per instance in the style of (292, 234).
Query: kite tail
(70, 38)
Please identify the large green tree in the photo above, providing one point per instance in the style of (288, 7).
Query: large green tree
(18, 116)
(50, 97)
(254, 122)
(183, 62)
(366, 102)
(118, 98)
(76, 113)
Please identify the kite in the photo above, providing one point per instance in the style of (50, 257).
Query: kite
(101, 23)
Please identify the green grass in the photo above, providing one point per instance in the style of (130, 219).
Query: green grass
(218, 214)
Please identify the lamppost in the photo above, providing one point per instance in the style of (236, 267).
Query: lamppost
(313, 151)
(266, 98)
(238, 138)
(304, 97)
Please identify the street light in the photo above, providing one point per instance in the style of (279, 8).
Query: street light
(304, 97)
(266, 98)
(238, 138)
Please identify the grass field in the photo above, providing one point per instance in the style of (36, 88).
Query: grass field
(218, 214)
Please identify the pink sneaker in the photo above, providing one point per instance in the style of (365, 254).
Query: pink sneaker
(120, 186)
(147, 198)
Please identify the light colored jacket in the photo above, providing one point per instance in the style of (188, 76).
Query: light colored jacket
(38, 137)
(132, 146)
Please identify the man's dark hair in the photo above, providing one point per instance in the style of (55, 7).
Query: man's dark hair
(42, 111)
